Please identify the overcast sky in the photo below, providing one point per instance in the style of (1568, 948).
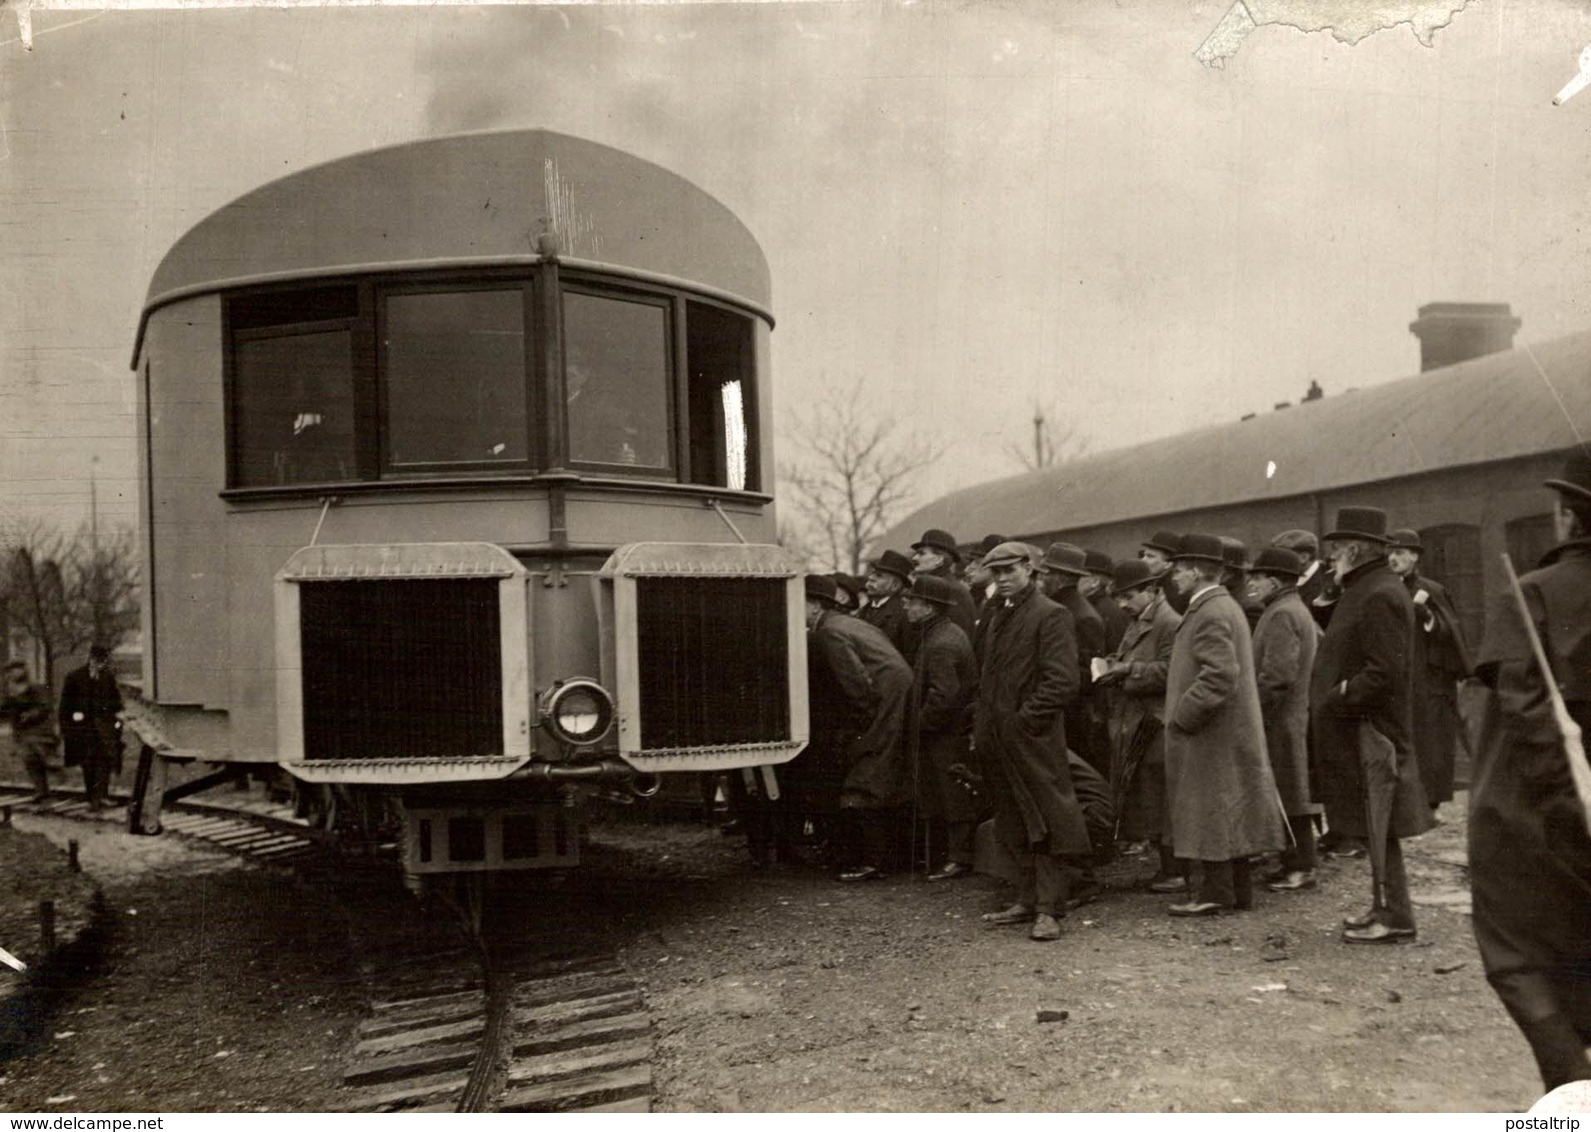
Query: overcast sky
(967, 206)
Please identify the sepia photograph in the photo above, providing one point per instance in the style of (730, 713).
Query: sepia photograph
(889, 556)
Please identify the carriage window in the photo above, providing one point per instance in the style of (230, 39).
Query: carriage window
(719, 354)
(293, 407)
(455, 377)
(616, 372)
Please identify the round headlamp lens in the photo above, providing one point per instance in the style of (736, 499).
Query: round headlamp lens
(579, 713)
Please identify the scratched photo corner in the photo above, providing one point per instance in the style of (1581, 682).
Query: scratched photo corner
(891, 556)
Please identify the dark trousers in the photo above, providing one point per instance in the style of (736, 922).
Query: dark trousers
(960, 836)
(871, 836)
(1171, 865)
(1227, 883)
(35, 760)
(1044, 882)
(1299, 857)
(1392, 904)
(96, 779)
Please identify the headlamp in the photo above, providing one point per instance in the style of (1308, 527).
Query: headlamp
(577, 711)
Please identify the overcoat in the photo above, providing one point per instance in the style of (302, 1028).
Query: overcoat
(1085, 729)
(1441, 660)
(877, 683)
(89, 728)
(1027, 675)
(1146, 646)
(1529, 854)
(1284, 654)
(1223, 796)
(1114, 619)
(889, 616)
(1367, 644)
(944, 681)
(965, 612)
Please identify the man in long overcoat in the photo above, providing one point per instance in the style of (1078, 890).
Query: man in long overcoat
(1362, 676)
(1062, 568)
(876, 682)
(1441, 660)
(945, 677)
(1224, 808)
(90, 729)
(1137, 676)
(1284, 654)
(1027, 675)
(887, 577)
(1529, 853)
(937, 555)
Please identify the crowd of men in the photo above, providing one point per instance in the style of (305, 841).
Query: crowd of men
(1210, 708)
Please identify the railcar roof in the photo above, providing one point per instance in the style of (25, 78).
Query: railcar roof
(1525, 401)
(469, 198)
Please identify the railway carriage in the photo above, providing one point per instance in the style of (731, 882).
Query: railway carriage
(454, 460)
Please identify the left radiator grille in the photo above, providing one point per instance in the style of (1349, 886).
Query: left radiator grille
(714, 661)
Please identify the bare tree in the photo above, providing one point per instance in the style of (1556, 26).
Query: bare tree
(851, 475)
(1052, 443)
(65, 593)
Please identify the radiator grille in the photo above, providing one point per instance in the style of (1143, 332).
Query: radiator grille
(714, 661)
(401, 669)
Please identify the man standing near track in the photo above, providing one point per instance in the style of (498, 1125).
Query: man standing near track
(27, 708)
(90, 705)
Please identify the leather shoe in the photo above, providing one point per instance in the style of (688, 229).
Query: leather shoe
(1016, 914)
(1347, 853)
(1377, 932)
(1359, 923)
(1045, 928)
(1196, 908)
(1169, 884)
(1292, 882)
(1273, 876)
(950, 870)
(866, 872)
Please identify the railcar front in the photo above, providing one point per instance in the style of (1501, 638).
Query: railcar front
(454, 458)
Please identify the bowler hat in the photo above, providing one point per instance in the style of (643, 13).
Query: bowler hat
(1234, 553)
(850, 583)
(1065, 558)
(1098, 562)
(1163, 541)
(1005, 554)
(930, 587)
(1131, 573)
(936, 539)
(1277, 560)
(1576, 479)
(894, 562)
(1299, 541)
(822, 587)
(1368, 523)
(988, 543)
(1405, 539)
(1206, 548)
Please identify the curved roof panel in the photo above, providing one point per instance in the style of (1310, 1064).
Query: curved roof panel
(1520, 402)
(479, 197)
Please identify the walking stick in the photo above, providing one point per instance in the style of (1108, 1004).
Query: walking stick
(1573, 742)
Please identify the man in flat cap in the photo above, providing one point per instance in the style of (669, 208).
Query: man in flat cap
(1224, 808)
(1096, 587)
(945, 677)
(1529, 853)
(887, 576)
(1284, 655)
(1441, 660)
(1316, 587)
(1136, 672)
(876, 684)
(1061, 569)
(936, 555)
(1360, 701)
(1027, 676)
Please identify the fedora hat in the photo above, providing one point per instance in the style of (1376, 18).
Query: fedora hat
(1234, 553)
(1065, 558)
(1299, 541)
(1277, 560)
(1098, 562)
(1206, 548)
(822, 587)
(894, 562)
(1576, 481)
(1005, 554)
(936, 539)
(1360, 522)
(1405, 539)
(930, 587)
(1130, 573)
(1163, 541)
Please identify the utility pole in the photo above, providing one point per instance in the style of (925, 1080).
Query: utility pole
(1038, 435)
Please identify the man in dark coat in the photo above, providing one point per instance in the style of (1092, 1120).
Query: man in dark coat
(1027, 676)
(1361, 693)
(876, 683)
(1284, 654)
(1441, 660)
(887, 577)
(1096, 587)
(1062, 568)
(1317, 588)
(936, 555)
(1529, 853)
(1235, 578)
(26, 707)
(945, 677)
(1224, 808)
(90, 704)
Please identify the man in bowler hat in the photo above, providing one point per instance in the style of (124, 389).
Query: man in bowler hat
(887, 576)
(90, 725)
(936, 554)
(1061, 569)
(1096, 587)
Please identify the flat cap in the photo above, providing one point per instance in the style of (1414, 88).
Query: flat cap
(1299, 541)
(1005, 554)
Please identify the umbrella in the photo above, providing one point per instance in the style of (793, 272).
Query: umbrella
(1144, 737)
(1378, 762)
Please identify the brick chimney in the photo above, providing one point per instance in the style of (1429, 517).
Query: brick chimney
(1450, 333)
